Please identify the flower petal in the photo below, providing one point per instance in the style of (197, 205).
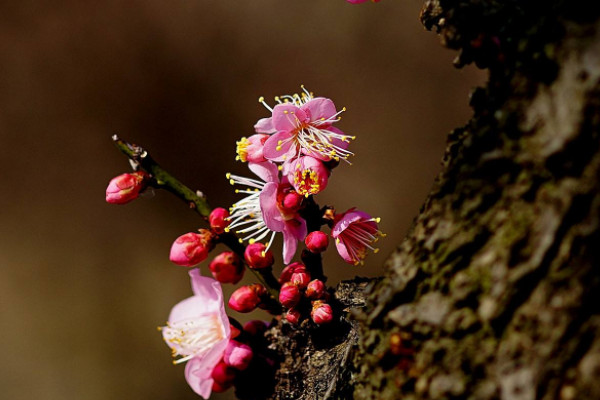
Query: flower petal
(268, 207)
(198, 370)
(264, 125)
(267, 171)
(319, 108)
(279, 147)
(287, 117)
(294, 230)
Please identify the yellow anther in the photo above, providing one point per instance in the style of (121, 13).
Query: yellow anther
(226, 229)
(286, 112)
(236, 190)
(278, 148)
(378, 220)
(263, 253)
(344, 109)
(252, 241)
(280, 167)
(228, 175)
(240, 240)
(261, 99)
(231, 182)
(376, 250)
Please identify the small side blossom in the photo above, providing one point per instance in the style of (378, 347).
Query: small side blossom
(293, 316)
(308, 175)
(126, 187)
(251, 149)
(198, 332)
(315, 289)
(192, 248)
(355, 232)
(303, 124)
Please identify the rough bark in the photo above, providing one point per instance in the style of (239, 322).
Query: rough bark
(496, 287)
(495, 292)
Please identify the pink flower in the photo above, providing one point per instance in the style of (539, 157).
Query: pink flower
(308, 175)
(126, 187)
(354, 233)
(302, 124)
(192, 248)
(198, 332)
(251, 149)
(270, 208)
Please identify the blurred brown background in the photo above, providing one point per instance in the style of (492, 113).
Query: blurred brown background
(84, 284)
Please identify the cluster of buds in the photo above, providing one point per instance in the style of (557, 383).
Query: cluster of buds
(298, 290)
(293, 154)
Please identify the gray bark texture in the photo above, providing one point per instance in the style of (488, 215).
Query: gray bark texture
(495, 291)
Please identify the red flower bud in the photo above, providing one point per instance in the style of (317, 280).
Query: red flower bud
(223, 377)
(287, 272)
(126, 187)
(238, 355)
(292, 201)
(315, 289)
(218, 220)
(289, 295)
(227, 267)
(300, 279)
(247, 298)
(316, 242)
(258, 257)
(293, 316)
(321, 312)
(192, 248)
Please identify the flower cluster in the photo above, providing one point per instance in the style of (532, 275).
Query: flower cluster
(292, 155)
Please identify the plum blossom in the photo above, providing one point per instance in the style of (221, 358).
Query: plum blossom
(354, 233)
(308, 175)
(198, 332)
(303, 124)
(271, 206)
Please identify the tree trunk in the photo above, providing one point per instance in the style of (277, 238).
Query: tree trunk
(495, 292)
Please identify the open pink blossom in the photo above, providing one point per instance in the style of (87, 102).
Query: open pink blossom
(354, 233)
(268, 209)
(198, 332)
(308, 175)
(303, 124)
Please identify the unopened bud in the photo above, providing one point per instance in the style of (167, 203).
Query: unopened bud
(286, 273)
(317, 242)
(218, 220)
(315, 289)
(238, 355)
(227, 267)
(247, 298)
(293, 316)
(292, 201)
(300, 279)
(321, 312)
(223, 377)
(255, 327)
(126, 187)
(289, 295)
(257, 256)
(192, 248)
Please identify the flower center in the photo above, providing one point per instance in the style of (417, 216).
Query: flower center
(193, 337)
(242, 149)
(306, 182)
